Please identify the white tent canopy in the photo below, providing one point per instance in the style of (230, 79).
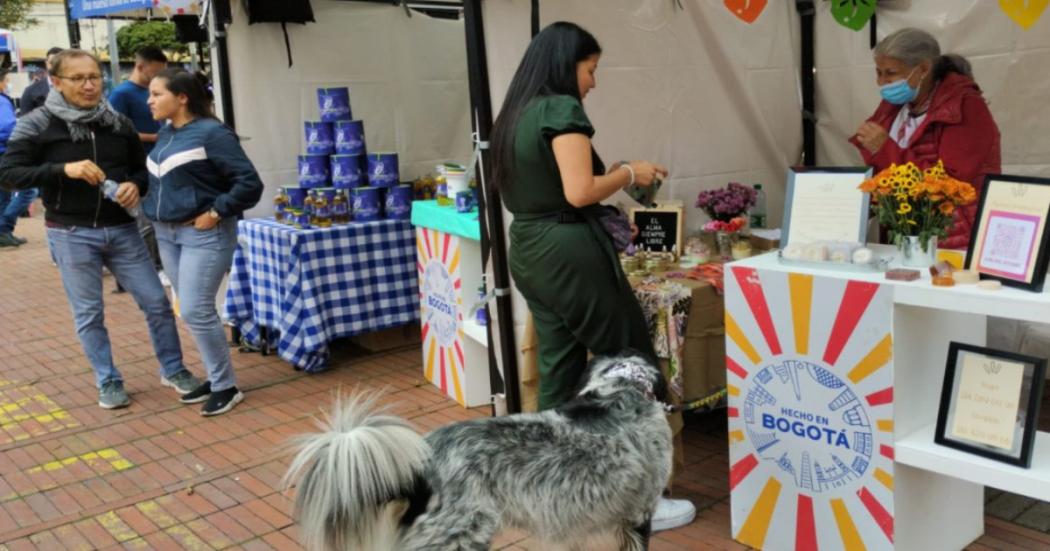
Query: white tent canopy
(407, 78)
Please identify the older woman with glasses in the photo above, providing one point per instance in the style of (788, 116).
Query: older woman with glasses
(68, 148)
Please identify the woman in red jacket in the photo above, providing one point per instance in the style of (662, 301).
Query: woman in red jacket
(931, 109)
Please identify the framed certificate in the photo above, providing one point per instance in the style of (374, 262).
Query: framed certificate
(990, 403)
(1010, 233)
(824, 204)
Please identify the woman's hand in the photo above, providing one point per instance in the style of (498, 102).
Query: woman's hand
(871, 135)
(205, 221)
(645, 173)
(128, 194)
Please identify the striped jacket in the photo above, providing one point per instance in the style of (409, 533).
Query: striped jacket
(199, 167)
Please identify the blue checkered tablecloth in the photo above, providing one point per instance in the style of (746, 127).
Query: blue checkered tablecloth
(313, 286)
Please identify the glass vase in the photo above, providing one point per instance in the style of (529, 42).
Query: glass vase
(914, 254)
(725, 245)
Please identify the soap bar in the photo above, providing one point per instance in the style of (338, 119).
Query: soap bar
(990, 285)
(966, 277)
(943, 281)
(862, 255)
(793, 252)
(815, 253)
(902, 274)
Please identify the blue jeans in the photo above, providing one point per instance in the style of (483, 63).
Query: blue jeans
(196, 261)
(12, 204)
(80, 253)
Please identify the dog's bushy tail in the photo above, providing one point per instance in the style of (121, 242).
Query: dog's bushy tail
(351, 475)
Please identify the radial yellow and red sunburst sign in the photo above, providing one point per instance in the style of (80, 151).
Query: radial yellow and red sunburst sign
(810, 378)
(440, 309)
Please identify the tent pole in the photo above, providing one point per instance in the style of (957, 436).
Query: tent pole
(114, 52)
(535, 17)
(72, 26)
(491, 211)
(807, 18)
(221, 55)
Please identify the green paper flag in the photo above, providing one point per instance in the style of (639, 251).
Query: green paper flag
(853, 14)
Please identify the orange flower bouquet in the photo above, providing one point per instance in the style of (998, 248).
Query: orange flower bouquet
(914, 203)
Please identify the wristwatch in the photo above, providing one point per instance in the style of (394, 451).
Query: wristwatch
(213, 214)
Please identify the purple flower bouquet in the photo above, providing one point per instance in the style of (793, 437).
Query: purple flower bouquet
(725, 204)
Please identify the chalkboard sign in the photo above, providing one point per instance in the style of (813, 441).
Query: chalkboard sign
(659, 229)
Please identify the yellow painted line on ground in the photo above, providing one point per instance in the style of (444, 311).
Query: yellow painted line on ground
(22, 403)
(187, 539)
(156, 514)
(116, 527)
(108, 455)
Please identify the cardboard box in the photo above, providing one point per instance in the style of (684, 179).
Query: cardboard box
(762, 244)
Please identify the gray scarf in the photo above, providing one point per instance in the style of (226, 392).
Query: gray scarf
(80, 120)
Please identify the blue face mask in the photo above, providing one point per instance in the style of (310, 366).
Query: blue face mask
(899, 92)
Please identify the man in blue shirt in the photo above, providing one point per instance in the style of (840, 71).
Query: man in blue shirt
(129, 98)
(11, 203)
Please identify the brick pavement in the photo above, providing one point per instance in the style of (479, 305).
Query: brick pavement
(159, 476)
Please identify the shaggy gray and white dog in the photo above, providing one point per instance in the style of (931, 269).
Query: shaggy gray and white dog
(596, 465)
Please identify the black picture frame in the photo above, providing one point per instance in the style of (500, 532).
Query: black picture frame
(1041, 249)
(1028, 405)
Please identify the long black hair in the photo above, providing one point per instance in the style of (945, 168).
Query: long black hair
(192, 85)
(548, 68)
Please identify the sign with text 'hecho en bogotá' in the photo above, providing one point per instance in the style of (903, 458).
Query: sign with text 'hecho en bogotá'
(810, 411)
(440, 308)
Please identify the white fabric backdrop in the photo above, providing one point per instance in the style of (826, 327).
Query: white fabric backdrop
(407, 78)
(713, 98)
(1010, 64)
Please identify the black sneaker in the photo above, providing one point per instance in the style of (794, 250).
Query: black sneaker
(198, 394)
(222, 401)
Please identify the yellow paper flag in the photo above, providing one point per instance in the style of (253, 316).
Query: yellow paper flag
(1024, 12)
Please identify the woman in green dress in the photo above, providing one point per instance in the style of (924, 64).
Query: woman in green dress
(561, 258)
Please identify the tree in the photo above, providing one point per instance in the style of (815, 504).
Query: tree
(14, 14)
(148, 33)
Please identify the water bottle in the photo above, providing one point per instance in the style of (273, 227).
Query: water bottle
(758, 212)
(109, 189)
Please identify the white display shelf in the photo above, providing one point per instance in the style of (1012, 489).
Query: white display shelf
(920, 451)
(476, 332)
(1006, 302)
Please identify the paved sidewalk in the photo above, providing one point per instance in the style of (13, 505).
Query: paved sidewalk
(159, 476)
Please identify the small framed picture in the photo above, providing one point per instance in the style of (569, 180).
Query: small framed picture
(1010, 235)
(990, 403)
(824, 204)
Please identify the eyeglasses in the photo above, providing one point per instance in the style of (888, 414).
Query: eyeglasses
(79, 80)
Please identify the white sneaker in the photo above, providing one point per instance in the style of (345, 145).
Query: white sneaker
(164, 279)
(672, 513)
